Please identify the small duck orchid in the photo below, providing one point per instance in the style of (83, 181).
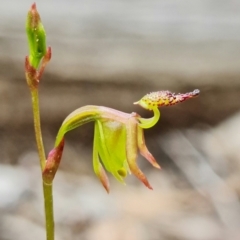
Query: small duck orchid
(118, 137)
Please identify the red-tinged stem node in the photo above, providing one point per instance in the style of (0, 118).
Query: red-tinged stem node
(52, 163)
(31, 74)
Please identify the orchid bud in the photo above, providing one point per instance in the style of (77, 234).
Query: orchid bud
(36, 37)
(39, 54)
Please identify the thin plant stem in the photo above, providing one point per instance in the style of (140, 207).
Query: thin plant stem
(37, 127)
(47, 188)
(49, 216)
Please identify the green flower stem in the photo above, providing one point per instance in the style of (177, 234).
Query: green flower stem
(37, 127)
(47, 188)
(49, 216)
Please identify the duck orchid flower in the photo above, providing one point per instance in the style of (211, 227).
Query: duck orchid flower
(118, 137)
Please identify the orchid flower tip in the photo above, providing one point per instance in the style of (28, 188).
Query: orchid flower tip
(146, 183)
(150, 187)
(106, 187)
(34, 6)
(157, 166)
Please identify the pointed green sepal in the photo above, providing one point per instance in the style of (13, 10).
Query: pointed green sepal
(76, 119)
(111, 145)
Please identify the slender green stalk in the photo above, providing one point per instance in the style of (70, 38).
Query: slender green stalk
(37, 127)
(47, 188)
(49, 216)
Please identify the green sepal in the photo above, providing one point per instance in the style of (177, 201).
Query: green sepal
(77, 118)
(112, 158)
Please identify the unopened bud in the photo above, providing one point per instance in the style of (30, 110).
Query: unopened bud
(36, 37)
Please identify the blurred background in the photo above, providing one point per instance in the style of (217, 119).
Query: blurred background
(112, 53)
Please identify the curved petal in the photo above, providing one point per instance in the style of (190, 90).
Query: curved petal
(115, 139)
(105, 155)
(97, 166)
(131, 149)
(143, 149)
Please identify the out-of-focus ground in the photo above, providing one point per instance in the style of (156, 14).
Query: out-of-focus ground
(112, 53)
